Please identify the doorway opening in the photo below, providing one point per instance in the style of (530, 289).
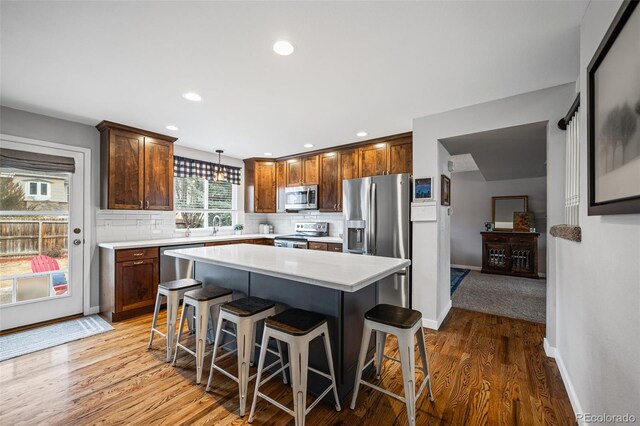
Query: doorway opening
(498, 221)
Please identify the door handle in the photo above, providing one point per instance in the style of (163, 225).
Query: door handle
(77, 242)
(139, 262)
(373, 222)
(147, 203)
(140, 203)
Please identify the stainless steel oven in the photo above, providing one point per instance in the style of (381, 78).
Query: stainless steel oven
(291, 243)
(301, 197)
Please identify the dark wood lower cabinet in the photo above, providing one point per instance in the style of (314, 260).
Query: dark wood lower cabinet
(510, 253)
(128, 282)
(136, 284)
(313, 245)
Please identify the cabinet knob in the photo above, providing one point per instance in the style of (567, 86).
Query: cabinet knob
(147, 203)
(140, 203)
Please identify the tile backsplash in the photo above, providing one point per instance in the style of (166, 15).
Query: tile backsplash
(119, 225)
(284, 223)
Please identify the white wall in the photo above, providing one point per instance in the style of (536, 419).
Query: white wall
(598, 281)
(430, 272)
(471, 208)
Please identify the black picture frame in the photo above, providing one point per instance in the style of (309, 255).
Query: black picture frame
(445, 190)
(627, 205)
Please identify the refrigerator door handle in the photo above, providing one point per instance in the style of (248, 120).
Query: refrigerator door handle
(373, 222)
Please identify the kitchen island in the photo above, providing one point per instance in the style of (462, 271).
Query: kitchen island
(341, 286)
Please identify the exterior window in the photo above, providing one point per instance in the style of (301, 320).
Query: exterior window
(198, 202)
(39, 190)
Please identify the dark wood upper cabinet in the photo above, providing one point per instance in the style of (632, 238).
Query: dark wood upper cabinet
(281, 183)
(294, 172)
(265, 187)
(327, 169)
(349, 164)
(330, 187)
(373, 159)
(158, 174)
(125, 159)
(310, 170)
(136, 168)
(401, 156)
(260, 186)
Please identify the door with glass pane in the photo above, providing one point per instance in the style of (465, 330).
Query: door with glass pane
(42, 235)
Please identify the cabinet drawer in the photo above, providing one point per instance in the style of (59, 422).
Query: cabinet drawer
(334, 247)
(495, 239)
(136, 254)
(318, 246)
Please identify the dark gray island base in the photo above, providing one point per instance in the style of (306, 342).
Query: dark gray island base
(344, 310)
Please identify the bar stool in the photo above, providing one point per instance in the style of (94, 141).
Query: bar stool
(244, 313)
(201, 300)
(174, 292)
(404, 324)
(297, 328)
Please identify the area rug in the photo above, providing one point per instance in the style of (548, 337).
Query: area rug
(35, 339)
(457, 275)
(507, 296)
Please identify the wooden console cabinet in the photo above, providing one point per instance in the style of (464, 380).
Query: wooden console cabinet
(510, 253)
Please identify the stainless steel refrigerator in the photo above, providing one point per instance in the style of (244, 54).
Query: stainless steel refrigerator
(376, 222)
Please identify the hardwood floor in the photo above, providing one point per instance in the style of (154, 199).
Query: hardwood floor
(486, 370)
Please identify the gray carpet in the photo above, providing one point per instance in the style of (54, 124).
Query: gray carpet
(35, 339)
(507, 296)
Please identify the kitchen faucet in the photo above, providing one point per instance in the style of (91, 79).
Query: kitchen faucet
(215, 227)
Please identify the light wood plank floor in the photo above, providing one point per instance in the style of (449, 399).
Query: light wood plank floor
(486, 370)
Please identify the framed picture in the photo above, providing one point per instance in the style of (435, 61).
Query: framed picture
(422, 189)
(613, 117)
(445, 190)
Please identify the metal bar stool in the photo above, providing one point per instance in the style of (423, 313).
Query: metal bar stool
(201, 300)
(244, 314)
(174, 292)
(404, 324)
(297, 328)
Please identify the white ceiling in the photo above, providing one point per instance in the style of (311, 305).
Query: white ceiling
(516, 152)
(370, 66)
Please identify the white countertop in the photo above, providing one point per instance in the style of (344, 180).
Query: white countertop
(339, 271)
(160, 242)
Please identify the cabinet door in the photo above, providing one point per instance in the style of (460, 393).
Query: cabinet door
(294, 172)
(281, 183)
(349, 164)
(496, 257)
(158, 174)
(401, 156)
(310, 170)
(265, 187)
(373, 160)
(330, 191)
(136, 284)
(126, 170)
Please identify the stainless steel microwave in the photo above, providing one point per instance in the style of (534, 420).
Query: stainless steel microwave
(301, 197)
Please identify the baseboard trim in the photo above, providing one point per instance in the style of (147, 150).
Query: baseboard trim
(548, 349)
(473, 268)
(571, 391)
(434, 325)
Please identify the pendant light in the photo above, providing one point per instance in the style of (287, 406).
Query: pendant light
(219, 176)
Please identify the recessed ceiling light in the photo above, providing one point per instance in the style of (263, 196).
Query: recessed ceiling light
(267, 154)
(361, 134)
(308, 145)
(191, 96)
(283, 47)
(171, 127)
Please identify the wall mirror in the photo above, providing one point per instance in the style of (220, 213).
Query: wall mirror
(502, 209)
